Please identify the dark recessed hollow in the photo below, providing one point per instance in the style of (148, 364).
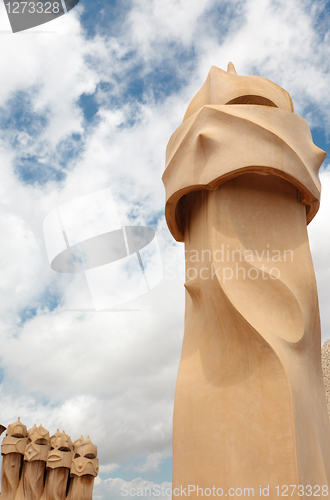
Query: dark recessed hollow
(41, 441)
(252, 99)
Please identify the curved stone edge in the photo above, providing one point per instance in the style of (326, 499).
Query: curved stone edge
(207, 136)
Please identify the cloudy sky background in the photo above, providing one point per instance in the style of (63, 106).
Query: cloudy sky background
(88, 102)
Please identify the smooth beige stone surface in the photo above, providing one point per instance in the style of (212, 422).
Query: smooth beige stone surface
(56, 484)
(36, 466)
(81, 487)
(250, 407)
(226, 87)
(10, 469)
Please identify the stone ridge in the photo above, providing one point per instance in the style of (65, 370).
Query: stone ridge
(325, 354)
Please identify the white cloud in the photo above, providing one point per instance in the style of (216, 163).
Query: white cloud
(151, 462)
(319, 234)
(106, 469)
(153, 23)
(117, 489)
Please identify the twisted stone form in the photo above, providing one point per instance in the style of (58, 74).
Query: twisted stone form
(36, 466)
(241, 185)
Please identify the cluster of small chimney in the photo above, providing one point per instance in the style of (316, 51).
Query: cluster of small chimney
(37, 466)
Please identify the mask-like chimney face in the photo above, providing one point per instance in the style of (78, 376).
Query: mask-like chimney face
(61, 452)
(85, 460)
(38, 444)
(16, 438)
(17, 430)
(226, 87)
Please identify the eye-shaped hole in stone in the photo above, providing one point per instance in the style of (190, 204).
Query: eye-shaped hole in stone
(64, 448)
(90, 455)
(41, 441)
(17, 435)
(252, 99)
(76, 455)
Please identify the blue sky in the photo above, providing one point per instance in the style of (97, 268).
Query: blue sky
(88, 102)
